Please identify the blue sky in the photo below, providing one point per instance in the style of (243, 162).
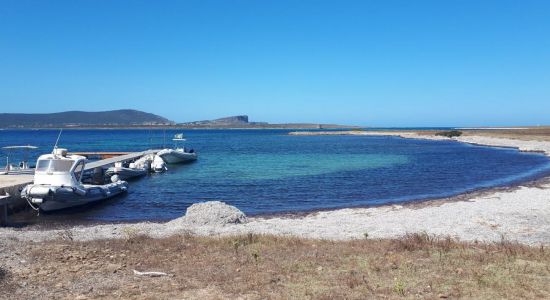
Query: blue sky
(373, 63)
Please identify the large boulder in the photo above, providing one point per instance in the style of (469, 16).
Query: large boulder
(213, 213)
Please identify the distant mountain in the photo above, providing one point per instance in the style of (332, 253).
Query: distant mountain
(232, 120)
(227, 121)
(243, 122)
(123, 117)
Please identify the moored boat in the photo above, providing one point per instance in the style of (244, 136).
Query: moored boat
(128, 172)
(178, 154)
(58, 183)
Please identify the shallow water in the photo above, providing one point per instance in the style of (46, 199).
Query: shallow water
(268, 171)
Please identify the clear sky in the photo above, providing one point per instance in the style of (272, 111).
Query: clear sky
(374, 63)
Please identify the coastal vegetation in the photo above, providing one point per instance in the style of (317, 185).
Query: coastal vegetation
(450, 133)
(539, 133)
(258, 267)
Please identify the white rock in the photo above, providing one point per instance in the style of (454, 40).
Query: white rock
(214, 213)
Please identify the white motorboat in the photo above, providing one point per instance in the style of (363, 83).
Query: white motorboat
(58, 183)
(128, 172)
(178, 155)
(23, 167)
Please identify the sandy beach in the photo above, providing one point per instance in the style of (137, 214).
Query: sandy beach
(519, 214)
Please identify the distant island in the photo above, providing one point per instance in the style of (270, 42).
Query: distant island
(242, 122)
(129, 118)
(113, 118)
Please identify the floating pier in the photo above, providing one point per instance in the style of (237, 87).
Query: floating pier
(127, 156)
(100, 155)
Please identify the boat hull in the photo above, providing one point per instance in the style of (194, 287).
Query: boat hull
(126, 173)
(57, 198)
(176, 157)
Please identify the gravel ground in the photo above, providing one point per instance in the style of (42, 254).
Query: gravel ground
(520, 214)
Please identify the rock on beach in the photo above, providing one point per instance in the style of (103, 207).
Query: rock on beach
(213, 213)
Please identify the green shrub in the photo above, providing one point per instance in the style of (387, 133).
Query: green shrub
(450, 133)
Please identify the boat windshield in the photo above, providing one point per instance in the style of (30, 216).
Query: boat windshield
(78, 171)
(54, 165)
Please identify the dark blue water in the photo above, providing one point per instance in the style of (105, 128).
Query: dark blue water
(268, 171)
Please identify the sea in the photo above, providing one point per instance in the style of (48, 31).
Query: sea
(266, 172)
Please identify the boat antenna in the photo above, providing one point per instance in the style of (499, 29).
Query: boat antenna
(58, 136)
(150, 134)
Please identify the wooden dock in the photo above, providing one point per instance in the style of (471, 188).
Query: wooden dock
(120, 158)
(101, 155)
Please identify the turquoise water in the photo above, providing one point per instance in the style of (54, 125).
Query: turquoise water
(245, 167)
(268, 171)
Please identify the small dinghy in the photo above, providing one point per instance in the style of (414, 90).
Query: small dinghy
(178, 155)
(58, 183)
(129, 172)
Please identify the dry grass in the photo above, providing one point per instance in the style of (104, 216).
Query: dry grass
(526, 134)
(259, 267)
(529, 134)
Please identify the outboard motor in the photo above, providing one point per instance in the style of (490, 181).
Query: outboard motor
(115, 178)
(158, 165)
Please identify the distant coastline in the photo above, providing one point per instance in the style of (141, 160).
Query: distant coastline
(160, 127)
(133, 119)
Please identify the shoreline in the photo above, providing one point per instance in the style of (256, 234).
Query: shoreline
(519, 213)
(175, 127)
(537, 182)
(412, 204)
(521, 145)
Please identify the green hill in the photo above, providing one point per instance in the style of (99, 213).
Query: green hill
(123, 117)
